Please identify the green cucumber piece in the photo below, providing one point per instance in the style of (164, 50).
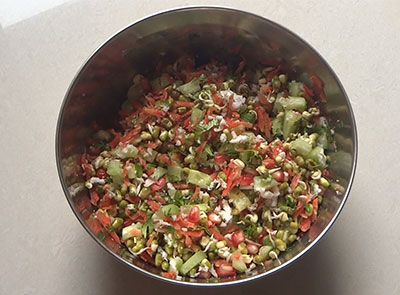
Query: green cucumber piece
(192, 262)
(261, 183)
(301, 147)
(239, 199)
(291, 122)
(198, 178)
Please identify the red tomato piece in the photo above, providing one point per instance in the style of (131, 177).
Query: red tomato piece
(153, 205)
(237, 237)
(214, 218)
(246, 180)
(170, 274)
(207, 170)
(305, 225)
(252, 248)
(194, 214)
(204, 274)
(225, 270)
(159, 185)
(101, 173)
(269, 163)
(278, 176)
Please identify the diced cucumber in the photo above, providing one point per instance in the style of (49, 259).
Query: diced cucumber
(291, 122)
(296, 103)
(175, 264)
(198, 178)
(150, 157)
(196, 116)
(277, 126)
(192, 262)
(239, 265)
(131, 171)
(261, 183)
(202, 207)
(158, 173)
(301, 147)
(129, 151)
(127, 232)
(193, 86)
(115, 171)
(169, 210)
(175, 173)
(264, 251)
(318, 156)
(295, 88)
(239, 199)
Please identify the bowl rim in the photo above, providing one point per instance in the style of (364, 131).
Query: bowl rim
(189, 283)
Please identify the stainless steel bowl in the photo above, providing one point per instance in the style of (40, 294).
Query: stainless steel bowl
(101, 85)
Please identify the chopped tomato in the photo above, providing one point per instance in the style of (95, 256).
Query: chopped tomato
(217, 98)
(278, 175)
(188, 240)
(295, 181)
(106, 202)
(83, 205)
(252, 248)
(101, 173)
(305, 225)
(150, 171)
(225, 271)
(231, 229)
(219, 159)
(103, 217)
(115, 237)
(159, 199)
(268, 163)
(204, 274)
(163, 158)
(152, 145)
(94, 197)
(194, 214)
(217, 234)
(169, 275)
(94, 225)
(238, 237)
(214, 218)
(194, 233)
(246, 180)
(159, 185)
(207, 170)
(153, 205)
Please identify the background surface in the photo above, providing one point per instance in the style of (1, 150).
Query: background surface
(44, 249)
